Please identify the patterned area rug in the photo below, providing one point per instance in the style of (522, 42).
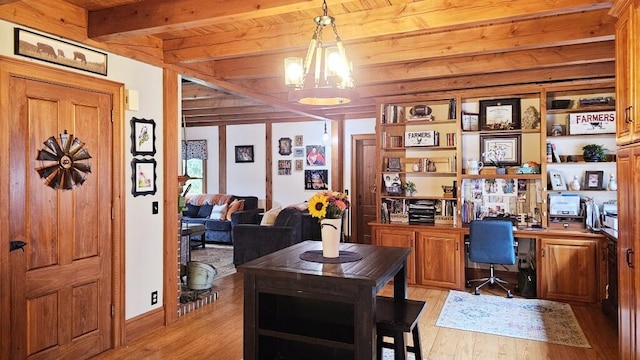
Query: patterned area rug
(220, 256)
(532, 319)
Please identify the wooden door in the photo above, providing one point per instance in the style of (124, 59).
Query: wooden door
(61, 296)
(569, 269)
(363, 186)
(624, 85)
(628, 246)
(440, 258)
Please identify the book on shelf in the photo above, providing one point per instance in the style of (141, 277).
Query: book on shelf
(554, 152)
(392, 114)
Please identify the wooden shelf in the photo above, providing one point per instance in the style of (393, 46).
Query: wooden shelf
(419, 148)
(582, 109)
(502, 176)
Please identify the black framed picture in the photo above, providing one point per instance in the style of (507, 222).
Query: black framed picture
(500, 150)
(45, 48)
(244, 153)
(593, 180)
(284, 145)
(143, 137)
(500, 114)
(143, 177)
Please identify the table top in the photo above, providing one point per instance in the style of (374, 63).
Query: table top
(377, 266)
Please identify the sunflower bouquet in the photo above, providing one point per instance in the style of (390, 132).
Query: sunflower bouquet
(328, 204)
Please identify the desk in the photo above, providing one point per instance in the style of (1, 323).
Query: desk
(296, 309)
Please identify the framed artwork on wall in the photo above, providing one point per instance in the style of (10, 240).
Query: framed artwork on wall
(284, 145)
(45, 48)
(143, 137)
(316, 179)
(143, 176)
(244, 153)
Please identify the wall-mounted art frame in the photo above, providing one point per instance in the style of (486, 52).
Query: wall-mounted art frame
(143, 177)
(298, 140)
(557, 180)
(284, 145)
(298, 152)
(143, 137)
(45, 48)
(500, 149)
(593, 180)
(500, 114)
(244, 153)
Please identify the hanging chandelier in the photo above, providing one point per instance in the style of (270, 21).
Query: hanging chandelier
(332, 80)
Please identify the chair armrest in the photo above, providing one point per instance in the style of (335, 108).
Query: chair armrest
(253, 241)
(244, 217)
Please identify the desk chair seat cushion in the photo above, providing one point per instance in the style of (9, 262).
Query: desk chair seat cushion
(491, 242)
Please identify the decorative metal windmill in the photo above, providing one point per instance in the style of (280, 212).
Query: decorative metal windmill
(60, 162)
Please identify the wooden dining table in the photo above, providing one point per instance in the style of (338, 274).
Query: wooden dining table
(318, 309)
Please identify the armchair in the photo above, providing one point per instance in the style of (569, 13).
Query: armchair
(491, 242)
(251, 241)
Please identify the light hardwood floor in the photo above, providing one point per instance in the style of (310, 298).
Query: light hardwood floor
(215, 332)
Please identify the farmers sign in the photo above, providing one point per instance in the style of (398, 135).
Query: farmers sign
(599, 122)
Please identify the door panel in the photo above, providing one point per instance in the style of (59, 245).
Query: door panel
(61, 284)
(364, 181)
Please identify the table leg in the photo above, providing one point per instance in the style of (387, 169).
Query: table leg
(400, 282)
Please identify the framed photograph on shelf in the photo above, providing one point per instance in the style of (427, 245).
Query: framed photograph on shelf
(143, 137)
(593, 180)
(143, 177)
(500, 114)
(470, 122)
(45, 48)
(244, 153)
(557, 180)
(500, 149)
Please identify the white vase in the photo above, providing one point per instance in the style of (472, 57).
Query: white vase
(613, 183)
(330, 229)
(574, 184)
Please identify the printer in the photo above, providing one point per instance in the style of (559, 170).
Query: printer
(610, 214)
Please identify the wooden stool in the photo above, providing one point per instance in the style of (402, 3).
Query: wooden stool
(393, 319)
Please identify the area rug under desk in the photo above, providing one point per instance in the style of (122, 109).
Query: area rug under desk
(220, 256)
(532, 319)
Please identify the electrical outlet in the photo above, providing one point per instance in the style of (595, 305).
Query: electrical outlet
(154, 207)
(154, 297)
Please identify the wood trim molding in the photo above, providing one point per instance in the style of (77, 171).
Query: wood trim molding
(171, 191)
(140, 325)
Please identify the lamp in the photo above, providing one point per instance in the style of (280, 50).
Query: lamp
(332, 83)
(325, 136)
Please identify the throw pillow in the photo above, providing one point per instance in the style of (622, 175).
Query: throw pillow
(219, 212)
(192, 211)
(205, 211)
(236, 205)
(270, 216)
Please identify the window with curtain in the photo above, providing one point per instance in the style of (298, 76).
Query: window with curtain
(194, 162)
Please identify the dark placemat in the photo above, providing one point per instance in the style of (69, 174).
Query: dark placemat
(343, 257)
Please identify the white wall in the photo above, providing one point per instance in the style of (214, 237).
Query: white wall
(143, 231)
(247, 179)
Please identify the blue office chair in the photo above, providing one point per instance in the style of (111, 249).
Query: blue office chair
(491, 242)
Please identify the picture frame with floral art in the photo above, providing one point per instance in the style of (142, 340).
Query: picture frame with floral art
(501, 150)
(143, 137)
(143, 177)
(556, 179)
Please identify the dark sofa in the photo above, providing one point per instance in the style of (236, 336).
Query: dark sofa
(251, 241)
(198, 210)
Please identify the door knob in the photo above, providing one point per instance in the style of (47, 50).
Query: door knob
(15, 245)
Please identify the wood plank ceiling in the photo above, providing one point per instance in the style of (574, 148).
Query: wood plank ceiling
(234, 50)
